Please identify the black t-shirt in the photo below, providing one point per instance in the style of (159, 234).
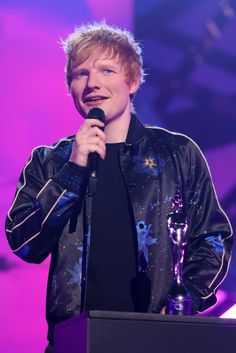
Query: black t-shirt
(113, 249)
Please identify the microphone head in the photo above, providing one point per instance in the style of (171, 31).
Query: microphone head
(96, 113)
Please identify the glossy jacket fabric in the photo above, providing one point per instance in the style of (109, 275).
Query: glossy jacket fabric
(48, 216)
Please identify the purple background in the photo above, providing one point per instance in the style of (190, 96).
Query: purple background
(189, 54)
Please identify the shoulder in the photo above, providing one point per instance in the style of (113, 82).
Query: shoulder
(167, 135)
(61, 148)
(44, 155)
(172, 140)
(179, 146)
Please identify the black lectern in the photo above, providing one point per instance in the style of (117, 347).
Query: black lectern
(118, 332)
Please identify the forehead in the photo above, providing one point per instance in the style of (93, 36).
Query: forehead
(98, 57)
(94, 53)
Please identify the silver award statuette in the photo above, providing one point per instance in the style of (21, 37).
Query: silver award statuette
(179, 301)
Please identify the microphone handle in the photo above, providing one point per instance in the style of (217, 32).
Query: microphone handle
(93, 163)
(94, 158)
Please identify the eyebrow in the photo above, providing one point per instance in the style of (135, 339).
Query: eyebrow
(103, 63)
(108, 65)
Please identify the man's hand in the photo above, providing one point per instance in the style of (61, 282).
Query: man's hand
(163, 310)
(90, 138)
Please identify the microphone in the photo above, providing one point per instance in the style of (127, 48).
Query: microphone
(95, 113)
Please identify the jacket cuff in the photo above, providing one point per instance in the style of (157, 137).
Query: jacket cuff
(196, 302)
(202, 299)
(72, 177)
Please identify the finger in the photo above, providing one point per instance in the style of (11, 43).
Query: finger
(95, 140)
(95, 131)
(163, 310)
(82, 140)
(86, 131)
(93, 122)
(101, 144)
(99, 149)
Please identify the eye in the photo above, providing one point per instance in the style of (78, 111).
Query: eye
(81, 74)
(107, 71)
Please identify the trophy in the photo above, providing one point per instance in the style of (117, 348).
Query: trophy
(179, 302)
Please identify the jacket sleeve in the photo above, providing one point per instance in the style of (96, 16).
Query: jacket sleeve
(46, 195)
(209, 246)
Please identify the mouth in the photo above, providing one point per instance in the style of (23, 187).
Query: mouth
(91, 99)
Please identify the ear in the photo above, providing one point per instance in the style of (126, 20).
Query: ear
(134, 86)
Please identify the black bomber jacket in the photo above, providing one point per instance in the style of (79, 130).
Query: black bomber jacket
(48, 216)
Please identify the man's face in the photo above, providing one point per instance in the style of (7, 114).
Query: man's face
(100, 82)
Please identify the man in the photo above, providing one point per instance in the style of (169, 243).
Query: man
(124, 262)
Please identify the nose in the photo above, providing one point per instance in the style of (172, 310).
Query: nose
(93, 80)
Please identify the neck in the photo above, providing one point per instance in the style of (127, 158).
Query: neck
(117, 129)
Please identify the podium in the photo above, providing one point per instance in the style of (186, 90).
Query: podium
(119, 332)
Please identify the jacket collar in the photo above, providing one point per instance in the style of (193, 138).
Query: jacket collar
(136, 131)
